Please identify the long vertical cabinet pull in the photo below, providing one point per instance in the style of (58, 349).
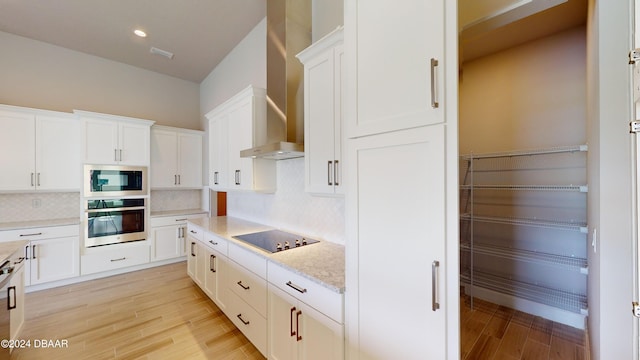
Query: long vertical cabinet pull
(32, 183)
(335, 173)
(192, 251)
(26, 252)
(293, 332)
(435, 305)
(215, 178)
(212, 260)
(298, 313)
(434, 95)
(33, 251)
(329, 182)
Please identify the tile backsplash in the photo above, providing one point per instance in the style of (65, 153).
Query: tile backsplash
(163, 200)
(291, 208)
(39, 206)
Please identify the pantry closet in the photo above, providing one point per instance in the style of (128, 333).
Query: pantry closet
(523, 163)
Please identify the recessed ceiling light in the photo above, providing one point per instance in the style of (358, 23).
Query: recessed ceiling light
(140, 33)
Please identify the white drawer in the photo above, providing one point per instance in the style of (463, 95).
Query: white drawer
(113, 257)
(248, 286)
(311, 293)
(40, 233)
(250, 260)
(173, 220)
(216, 243)
(195, 232)
(245, 318)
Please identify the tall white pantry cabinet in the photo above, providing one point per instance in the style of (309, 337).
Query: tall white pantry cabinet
(401, 200)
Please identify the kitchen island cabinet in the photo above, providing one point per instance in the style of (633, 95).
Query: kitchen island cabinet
(259, 301)
(43, 150)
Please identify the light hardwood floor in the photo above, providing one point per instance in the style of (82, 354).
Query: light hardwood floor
(493, 332)
(156, 313)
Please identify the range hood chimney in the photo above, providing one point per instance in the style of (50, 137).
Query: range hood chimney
(288, 33)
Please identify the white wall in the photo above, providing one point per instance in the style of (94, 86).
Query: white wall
(40, 75)
(326, 16)
(610, 181)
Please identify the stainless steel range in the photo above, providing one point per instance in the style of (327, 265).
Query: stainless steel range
(275, 240)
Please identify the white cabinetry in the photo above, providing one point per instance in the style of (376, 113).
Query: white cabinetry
(297, 329)
(242, 120)
(169, 236)
(323, 64)
(17, 312)
(401, 128)
(195, 236)
(217, 267)
(112, 257)
(110, 139)
(52, 253)
(176, 158)
(42, 150)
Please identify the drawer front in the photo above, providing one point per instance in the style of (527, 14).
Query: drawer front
(250, 260)
(245, 318)
(216, 243)
(173, 220)
(40, 233)
(249, 287)
(311, 293)
(102, 259)
(195, 232)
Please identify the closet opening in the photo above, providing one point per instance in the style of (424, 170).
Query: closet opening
(523, 179)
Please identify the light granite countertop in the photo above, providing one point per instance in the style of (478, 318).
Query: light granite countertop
(38, 223)
(178, 212)
(322, 262)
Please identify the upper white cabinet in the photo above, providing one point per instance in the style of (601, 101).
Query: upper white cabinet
(323, 84)
(395, 61)
(42, 150)
(176, 158)
(110, 139)
(241, 121)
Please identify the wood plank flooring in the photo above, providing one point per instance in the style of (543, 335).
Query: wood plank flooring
(155, 313)
(493, 332)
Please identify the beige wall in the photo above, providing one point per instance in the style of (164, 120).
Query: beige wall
(39, 75)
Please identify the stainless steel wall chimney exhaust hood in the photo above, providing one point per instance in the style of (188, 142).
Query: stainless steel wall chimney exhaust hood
(288, 33)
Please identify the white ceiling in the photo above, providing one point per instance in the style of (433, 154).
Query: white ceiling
(200, 33)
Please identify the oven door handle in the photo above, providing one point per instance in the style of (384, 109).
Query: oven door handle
(115, 209)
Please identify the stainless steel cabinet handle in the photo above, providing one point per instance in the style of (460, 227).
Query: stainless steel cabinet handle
(296, 287)
(293, 310)
(335, 173)
(115, 154)
(434, 95)
(179, 181)
(119, 259)
(434, 285)
(329, 182)
(213, 242)
(185, 219)
(26, 252)
(192, 251)
(238, 177)
(38, 181)
(11, 289)
(32, 184)
(212, 263)
(120, 154)
(33, 251)
(239, 316)
(175, 179)
(215, 178)
(242, 286)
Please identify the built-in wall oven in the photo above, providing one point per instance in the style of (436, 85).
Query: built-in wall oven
(112, 221)
(114, 180)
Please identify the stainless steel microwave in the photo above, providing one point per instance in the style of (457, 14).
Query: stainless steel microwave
(113, 180)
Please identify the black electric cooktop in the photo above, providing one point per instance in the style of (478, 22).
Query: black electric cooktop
(275, 240)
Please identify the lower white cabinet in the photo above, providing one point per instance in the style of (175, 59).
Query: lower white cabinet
(51, 254)
(112, 257)
(16, 315)
(298, 331)
(216, 268)
(168, 236)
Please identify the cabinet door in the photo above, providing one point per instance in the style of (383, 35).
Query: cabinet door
(17, 314)
(164, 159)
(54, 259)
(189, 160)
(240, 120)
(166, 243)
(319, 127)
(215, 284)
(192, 257)
(101, 141)
(17, 158)
(339, 83)
(134, 144)
(282, 325)
(398, 180)
(319, 337)
(202, 264)
(58, 160)
(218, 150)
(391, 64)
